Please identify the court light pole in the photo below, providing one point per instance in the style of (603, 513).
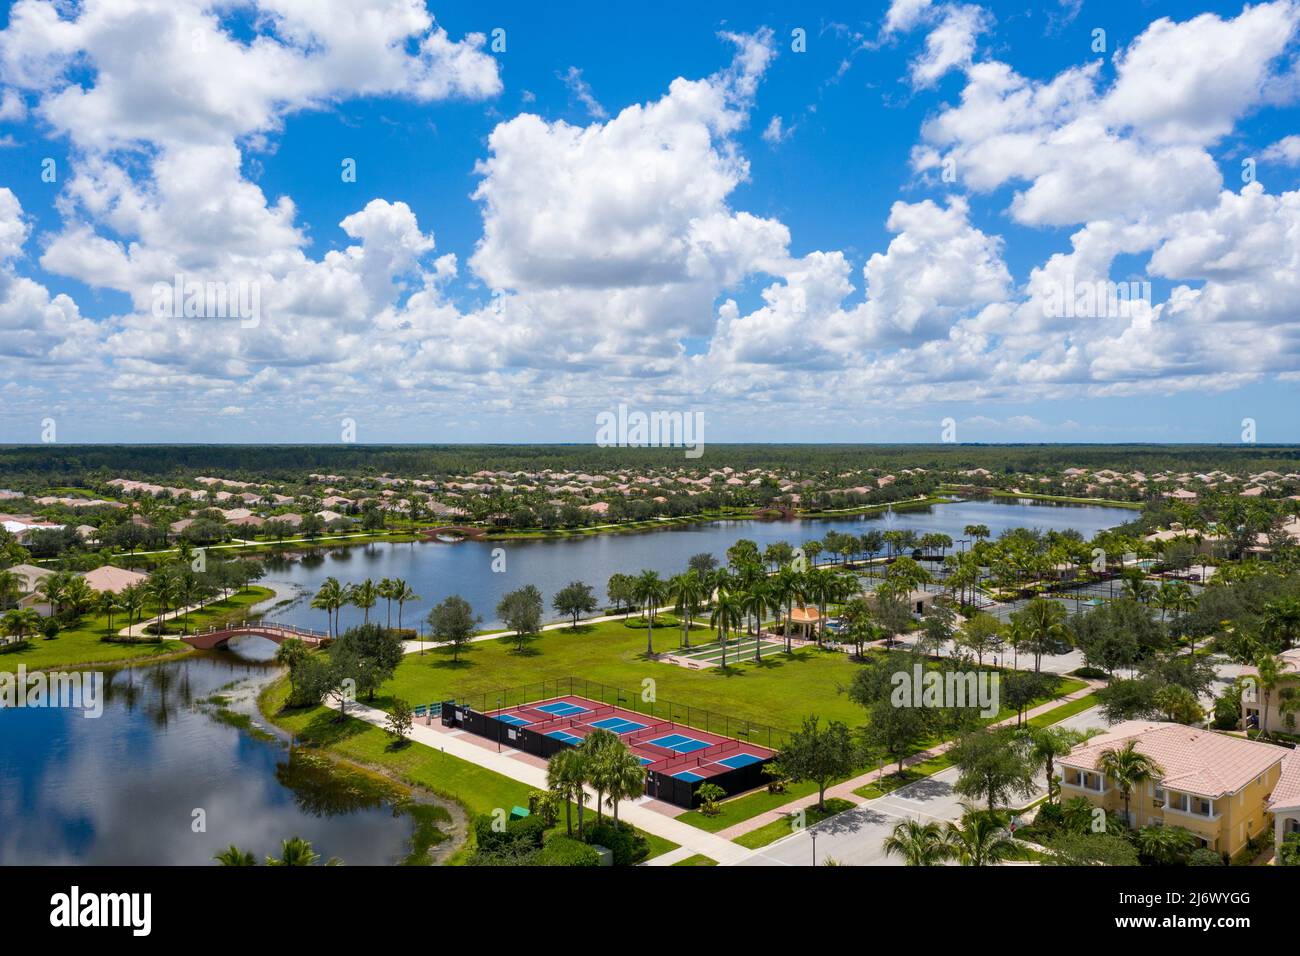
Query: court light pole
(812, 832)
(498, 725)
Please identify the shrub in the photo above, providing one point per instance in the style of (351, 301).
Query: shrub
(561, 850)
(1204, 857)
(1089, 673)
(628, 846)
(519, 835)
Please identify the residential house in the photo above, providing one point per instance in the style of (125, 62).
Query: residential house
(1274, 709)
(1215, 785)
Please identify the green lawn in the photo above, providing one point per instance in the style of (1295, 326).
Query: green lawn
(780, 691)
(1068, 709)
(698, 859)
(771, 832)
(478, 790)
(84, 645)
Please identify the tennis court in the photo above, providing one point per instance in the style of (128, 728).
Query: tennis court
(663, 746)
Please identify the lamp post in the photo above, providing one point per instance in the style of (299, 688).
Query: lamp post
(498, 722)
(812, 832)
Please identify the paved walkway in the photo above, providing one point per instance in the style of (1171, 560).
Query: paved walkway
(281, 591)
(640, 813)
(844, 791)
(414, 647)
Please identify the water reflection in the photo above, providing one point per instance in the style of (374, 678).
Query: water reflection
(123, 789)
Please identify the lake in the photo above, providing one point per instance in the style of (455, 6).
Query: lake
(436, 570)
(122, 788)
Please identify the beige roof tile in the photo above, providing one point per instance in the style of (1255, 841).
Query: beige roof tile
(1195, 761)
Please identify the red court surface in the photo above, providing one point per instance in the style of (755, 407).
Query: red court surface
(664, 746)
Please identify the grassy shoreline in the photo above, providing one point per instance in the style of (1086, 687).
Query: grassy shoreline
(84, 645)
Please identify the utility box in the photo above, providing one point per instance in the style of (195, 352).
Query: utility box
(606, 855)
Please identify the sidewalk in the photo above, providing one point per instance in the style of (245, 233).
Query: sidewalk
(414, 647)
(844, 791)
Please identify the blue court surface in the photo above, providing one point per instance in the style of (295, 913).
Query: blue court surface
(618, 725)
(513, 719)
(680, 743)
(739, 760)
(688, 776)
(566, 737)
(562, 708)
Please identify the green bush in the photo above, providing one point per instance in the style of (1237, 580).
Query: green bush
(628, 846)
(518, 836)
(561, 850)
(1204, 857)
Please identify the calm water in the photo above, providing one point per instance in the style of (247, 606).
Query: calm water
(121, 789)
(436, 570)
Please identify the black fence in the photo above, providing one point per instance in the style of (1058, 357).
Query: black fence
(662, 785)
(764, 735)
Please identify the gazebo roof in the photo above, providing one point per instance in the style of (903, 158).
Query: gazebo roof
(804, 615)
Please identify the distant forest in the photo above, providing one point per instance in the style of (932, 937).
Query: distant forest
(79, 465)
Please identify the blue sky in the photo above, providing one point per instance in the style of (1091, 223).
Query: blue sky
(572, 290)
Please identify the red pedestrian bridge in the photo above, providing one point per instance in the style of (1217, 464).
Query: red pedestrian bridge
(279, 633)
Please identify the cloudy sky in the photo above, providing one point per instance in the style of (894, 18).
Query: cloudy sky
(811, 222)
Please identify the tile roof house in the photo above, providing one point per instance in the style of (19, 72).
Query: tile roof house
(1215, 785)
(113, 580)
(1284, 804)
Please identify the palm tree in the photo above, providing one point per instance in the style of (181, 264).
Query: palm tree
(1047, 745)
(651, 591)
(593, 749)
(980, 839)
(53, 590)
(622, 773)
(132, 601)
(403, 594)
(331, 596)
(1044, 621)
(161, 589)
(107, 604)
(364, 596)
(188, 587)
(688, 591)
(726, 617)
(9, 585)
(298, 852)
(1129, 769)
(919, 844)
(1270, 670)
(21, 622)
(384, 589)
(753, 603)
(234, 856)
(566, 777)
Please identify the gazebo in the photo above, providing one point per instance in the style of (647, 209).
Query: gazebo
(805, 618)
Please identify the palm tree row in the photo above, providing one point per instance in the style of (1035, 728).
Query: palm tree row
(333, 595)
(601, 762)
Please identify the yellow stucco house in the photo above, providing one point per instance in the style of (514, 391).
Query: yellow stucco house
(1215, 785)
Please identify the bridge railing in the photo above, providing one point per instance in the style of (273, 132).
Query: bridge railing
(254, 626)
